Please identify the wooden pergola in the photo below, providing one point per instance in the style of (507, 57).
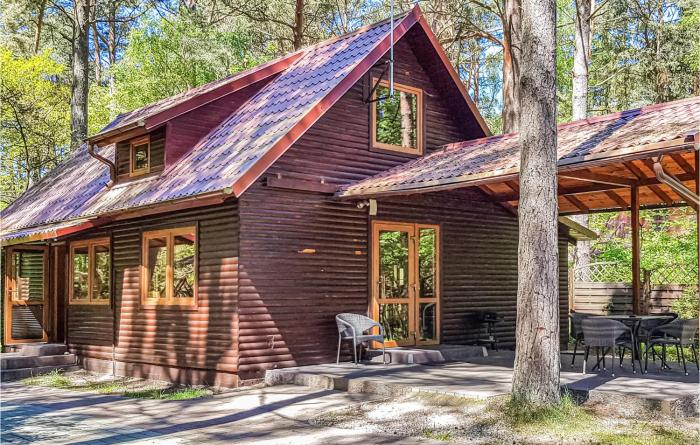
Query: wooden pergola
(656, 180)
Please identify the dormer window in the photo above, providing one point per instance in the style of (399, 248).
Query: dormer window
(140, 156)
(397, 121)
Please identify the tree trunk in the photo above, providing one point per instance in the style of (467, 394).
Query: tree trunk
(112, 55)
(80, 67)
(406, 120)
(536, 371)
(298, 24)
(511, 65)
(98, 63)
(39, 25)
(582, 52)
(579, 104)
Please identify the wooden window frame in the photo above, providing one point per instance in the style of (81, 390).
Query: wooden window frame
(169, 301)
(133, 171)
(384, 147)
(90, 244)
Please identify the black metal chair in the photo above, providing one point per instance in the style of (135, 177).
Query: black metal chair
(605, 335)
(576, 331)
(645, 331)
(485, 323)
(678, 333)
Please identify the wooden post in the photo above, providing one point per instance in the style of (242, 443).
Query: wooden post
(636, 252)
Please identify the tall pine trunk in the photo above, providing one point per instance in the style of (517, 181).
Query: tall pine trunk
(80, 70)
(579, 110)
(511, 66)
(536, 371)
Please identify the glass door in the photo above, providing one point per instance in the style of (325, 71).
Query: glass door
(26, 294)
(405, 287)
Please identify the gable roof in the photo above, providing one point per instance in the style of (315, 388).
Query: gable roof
(630, 133)
(233, 155)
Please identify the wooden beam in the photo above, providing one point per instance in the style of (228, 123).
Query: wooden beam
(576, 202)
(506, 205)
(618, 199)
(589, 176)
(301, 185)
(636, 253)
(636, 171)
(682, 163)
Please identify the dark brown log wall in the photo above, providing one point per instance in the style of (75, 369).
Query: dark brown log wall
(304, 259)
(157, 155)
(336, 148)
(187, 345)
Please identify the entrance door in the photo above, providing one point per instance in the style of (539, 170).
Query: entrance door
(405, 277)
(26, 302)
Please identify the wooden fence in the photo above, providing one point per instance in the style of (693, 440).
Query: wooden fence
(616, 298)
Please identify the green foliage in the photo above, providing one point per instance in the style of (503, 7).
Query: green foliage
(668, 248)
(34, 120)
(688, 305)
(168, 56)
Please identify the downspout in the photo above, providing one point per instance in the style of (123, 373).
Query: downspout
(676, 185)
(102, 159)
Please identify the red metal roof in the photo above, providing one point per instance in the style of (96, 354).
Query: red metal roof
(590, 140)
(233, 155)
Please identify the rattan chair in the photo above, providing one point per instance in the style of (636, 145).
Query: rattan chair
(576, 332)
(678, 333)
(605, 335)
(354, 327)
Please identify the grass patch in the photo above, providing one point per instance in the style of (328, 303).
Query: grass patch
(563, 419)
(443, 436)
(169, 394)
(54, 379)
(120, 386)
(644, 434)
(437, 399)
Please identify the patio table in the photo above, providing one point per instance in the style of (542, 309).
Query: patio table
(633, 322)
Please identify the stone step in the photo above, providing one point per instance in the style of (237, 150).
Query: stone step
(7, 375)
(12, 361)
(41, 349)
(422, 356)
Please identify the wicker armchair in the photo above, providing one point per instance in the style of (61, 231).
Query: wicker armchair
(605, 335)
(354, 327)
(678, 333)
(576, 332)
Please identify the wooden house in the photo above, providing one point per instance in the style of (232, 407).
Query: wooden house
(215, 234)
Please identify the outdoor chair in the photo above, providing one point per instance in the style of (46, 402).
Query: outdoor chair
(576, 332)
(354, 327)
(645, 331)
(678, 333)
(605, 335)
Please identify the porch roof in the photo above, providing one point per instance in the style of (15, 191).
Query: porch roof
(599, 160)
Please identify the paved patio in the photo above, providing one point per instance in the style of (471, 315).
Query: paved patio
(258, 415)
(670, 391)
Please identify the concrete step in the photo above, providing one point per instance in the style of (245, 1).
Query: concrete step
(12, 361)
(7, 375)
(41, 349)
(427, 355)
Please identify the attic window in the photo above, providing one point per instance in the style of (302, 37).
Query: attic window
(140, 156)
(397, 122)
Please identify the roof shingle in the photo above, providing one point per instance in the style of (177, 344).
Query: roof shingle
(77, 189)
(603, 136)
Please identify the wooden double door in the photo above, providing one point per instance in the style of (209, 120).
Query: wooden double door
(405, 282)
